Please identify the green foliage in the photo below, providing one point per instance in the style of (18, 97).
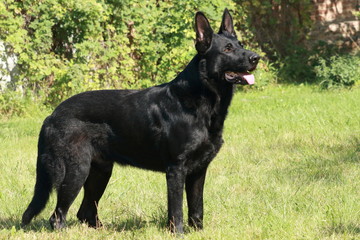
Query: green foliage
(278, 25)
(281, 28)
(13, 103)
(298, 67)
(338, 71)
(65, 47)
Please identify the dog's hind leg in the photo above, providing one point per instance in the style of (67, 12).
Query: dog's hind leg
(93, 190)
(67, 191)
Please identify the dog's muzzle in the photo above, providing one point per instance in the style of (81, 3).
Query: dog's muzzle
(242, 78)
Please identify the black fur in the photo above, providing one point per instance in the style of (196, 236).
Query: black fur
(174, 128)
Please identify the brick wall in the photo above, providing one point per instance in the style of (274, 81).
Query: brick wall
(336, 24)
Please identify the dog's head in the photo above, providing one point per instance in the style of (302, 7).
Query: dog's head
(225, 56)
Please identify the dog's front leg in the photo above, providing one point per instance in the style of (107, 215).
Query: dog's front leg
(194, 192)
(175, 179)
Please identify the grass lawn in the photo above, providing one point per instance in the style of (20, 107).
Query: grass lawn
(289, 169)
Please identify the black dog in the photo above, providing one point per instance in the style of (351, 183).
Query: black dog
(174, 128)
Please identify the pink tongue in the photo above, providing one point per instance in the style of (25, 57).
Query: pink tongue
(248, 77)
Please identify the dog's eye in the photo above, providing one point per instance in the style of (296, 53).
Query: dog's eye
(228, 48)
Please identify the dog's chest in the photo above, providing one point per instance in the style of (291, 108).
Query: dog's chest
(198, 156)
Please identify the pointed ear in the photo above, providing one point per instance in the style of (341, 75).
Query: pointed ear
(204, 33)
(227, 23)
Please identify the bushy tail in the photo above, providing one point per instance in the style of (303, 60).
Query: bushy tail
(42, 190)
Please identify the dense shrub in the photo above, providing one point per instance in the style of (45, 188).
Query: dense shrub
(323, 64)
(65, 47)
(278, 26)
(338, 71)
(297, 67)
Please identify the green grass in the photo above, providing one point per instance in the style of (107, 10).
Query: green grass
(289, 169)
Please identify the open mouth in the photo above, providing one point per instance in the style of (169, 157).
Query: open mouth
(243, 78)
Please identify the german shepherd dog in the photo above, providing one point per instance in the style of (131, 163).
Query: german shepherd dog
(175, 128)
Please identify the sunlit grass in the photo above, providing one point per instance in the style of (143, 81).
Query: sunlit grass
(289, 169)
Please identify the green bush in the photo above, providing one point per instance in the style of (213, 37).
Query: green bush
(65, 47)
(282, 29)
(14, 103)
(338, 71)
(278, 26)
(297, 67)
(11, 103)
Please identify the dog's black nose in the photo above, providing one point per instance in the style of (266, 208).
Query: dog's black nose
(254, 59)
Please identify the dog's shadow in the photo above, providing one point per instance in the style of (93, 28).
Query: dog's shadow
(130, 224)
(346, 229)
(136, 223)
(14, 224)
(156, 219)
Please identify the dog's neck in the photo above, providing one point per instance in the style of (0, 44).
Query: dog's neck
(196, 74)
(194, 81)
